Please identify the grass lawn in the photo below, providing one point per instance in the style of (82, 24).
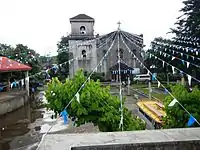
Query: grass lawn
(143, 88)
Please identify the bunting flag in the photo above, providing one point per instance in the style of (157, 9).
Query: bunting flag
(121, 121)
(153, 76)
(64, 114)
(78, 97)
(191, 121)
(189, 79)
(173, 69)
(158, 84)
(173, 103)
(163, 63)
(95, 70)
(183, 62)
(173, 58)
(188, 64)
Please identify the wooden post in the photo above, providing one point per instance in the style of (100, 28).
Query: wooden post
(27, 82)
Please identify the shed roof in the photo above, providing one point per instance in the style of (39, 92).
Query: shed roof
(7, 65)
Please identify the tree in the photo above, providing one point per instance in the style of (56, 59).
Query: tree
(63, 56)
(96, 105)
(177, 117)
(22, 54)
(188, 24)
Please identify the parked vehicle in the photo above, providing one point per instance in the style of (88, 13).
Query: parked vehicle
(142, 77)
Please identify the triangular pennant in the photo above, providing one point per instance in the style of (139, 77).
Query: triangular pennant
(78, 97)
(183, 62)
(121, 121)
(163, 63)
(182, 54)
(173, 58)
(158, 84)
(193, 57)
(197, 52)
(172, 103)
(173, 69)
(189, 79)
(191, 121)
(188, 64)
(95, 70)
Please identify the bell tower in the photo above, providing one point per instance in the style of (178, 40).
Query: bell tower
(82, 26)
(82, 43)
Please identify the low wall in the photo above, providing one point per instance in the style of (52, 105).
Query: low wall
(168, 139)
(12, 102)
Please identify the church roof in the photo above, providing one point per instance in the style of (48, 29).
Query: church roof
(82, 17)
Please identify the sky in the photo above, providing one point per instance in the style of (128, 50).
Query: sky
(40, 24)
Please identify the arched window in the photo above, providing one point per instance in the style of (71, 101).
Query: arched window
(84, 53)
(82, 30)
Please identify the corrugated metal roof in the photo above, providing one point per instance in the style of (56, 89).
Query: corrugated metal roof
(7, 65)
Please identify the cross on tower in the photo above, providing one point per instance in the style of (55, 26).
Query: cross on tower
(119, 23)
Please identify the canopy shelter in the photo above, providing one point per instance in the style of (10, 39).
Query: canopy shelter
(9, 65)
(124, 69)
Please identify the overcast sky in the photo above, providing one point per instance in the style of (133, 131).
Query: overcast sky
(39, 24)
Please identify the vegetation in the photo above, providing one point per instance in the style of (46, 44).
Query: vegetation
(144, 88)
(177, 117)
(22, 54)
(96, 105)
(62, 57)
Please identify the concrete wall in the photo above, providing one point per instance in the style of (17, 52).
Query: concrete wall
(178, 145)
(12, 102)
(168, 139)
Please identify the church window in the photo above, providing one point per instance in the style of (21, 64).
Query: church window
(82, 30)
(84, 53)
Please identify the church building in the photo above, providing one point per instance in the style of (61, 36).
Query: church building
(92, 48)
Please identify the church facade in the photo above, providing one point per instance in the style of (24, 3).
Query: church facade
(92, 48)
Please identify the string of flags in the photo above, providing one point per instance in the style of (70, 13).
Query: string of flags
(120, 85)
(136, 43)
(77, 95)
(173, 70)
(54, 68)
(192, 119)
(183, 61)
(171, 49)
